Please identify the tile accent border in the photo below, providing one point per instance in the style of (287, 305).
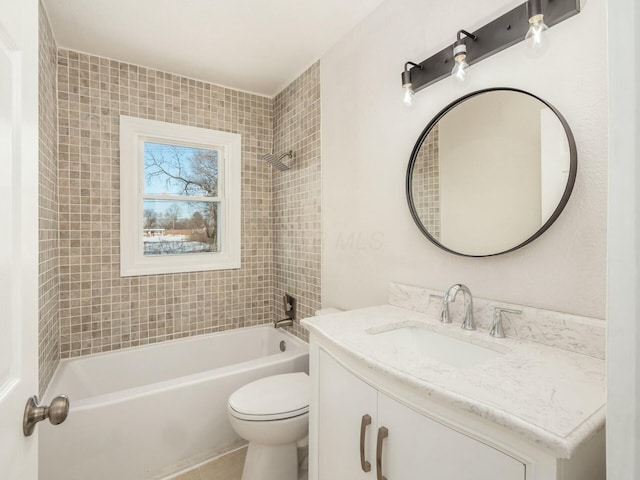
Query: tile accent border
(584, 335)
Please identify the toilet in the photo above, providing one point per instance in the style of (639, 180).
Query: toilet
(273, 415)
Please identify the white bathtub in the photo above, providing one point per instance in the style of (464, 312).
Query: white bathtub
(147, 412)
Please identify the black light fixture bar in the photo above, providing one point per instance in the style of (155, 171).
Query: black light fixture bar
(501, 33)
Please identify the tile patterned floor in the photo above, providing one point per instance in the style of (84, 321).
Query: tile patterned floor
(227, 467)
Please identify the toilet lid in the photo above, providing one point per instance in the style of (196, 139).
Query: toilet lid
(272, 398)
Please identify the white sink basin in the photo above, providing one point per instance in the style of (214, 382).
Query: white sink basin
(442, 348)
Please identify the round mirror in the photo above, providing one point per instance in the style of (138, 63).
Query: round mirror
(491, 172)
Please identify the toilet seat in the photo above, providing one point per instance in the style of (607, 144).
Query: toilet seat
(272, 398)
(267, 418)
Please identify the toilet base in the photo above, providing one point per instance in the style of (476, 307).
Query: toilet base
(271, 462)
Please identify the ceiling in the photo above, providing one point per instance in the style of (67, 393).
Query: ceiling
(258, 46)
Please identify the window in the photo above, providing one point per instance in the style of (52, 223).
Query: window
(179, 198)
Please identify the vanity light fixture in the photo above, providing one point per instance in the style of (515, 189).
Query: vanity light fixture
(407, 86)
(528, 21)
(535, 37)
(459, 71)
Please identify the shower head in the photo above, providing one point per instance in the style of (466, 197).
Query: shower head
(276, 162)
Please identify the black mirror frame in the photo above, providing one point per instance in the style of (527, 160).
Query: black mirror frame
(573, 169)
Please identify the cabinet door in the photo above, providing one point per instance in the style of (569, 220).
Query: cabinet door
(419, 448)
(344, 400)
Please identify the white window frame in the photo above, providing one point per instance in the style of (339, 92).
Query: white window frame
(133, 133)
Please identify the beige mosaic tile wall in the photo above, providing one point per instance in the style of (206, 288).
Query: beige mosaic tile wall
(48, 271)
(296, 221)
(99, 311)
(426, 183)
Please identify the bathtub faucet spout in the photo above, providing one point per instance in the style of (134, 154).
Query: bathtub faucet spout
(289, 304)
(285, 322)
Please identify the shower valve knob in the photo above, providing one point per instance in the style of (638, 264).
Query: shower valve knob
(33, 413)
(289, 303)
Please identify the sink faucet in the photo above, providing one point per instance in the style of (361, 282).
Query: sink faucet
(450, 296)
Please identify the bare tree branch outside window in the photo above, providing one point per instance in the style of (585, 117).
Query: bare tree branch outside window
(183, 224)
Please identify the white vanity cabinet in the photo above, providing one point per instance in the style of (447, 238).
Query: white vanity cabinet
(364, 434)
(441, 411)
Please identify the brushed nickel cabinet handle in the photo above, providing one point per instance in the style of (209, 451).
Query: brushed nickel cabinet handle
(366, 421)
(383, 433)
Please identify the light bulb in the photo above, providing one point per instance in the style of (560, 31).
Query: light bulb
(460, 56)
(407, 85)
(408, 95)
(535, 37)
(459, 71)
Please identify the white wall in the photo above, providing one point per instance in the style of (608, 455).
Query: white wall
(623, 313)
(367, 137)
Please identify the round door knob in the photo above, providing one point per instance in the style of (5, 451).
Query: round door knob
(59, 409)
(33, 413)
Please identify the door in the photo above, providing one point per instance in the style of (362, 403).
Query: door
(345, 408)
(417, 447)
(19, 233)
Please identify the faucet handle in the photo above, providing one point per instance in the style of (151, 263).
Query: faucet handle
(444, 308)
(433, 296)
(434, 307)
(497, 330)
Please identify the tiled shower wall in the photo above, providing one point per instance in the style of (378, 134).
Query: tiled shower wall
(48, 266)
(296, 197)
(99, 310)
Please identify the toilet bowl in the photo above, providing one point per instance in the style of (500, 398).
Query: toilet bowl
(273, 415)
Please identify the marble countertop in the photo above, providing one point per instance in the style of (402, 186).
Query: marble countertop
(553, 397)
